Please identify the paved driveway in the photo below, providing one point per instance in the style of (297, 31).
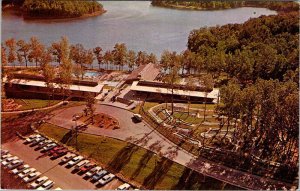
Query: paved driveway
(144, 136)
(62, 176)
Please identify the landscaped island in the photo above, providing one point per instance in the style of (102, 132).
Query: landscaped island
(54, 9)
(218, 5)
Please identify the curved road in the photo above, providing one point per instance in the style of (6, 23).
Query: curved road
(143, 135)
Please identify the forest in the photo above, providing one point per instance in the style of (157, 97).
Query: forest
(56, 8)
(218, 5)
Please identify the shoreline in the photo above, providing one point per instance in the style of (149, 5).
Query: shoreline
(97, 13)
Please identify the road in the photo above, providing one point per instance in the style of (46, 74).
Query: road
(143, 135)
(62, 176)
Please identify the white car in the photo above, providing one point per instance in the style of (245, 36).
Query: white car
(31, 138)
(15, 164)
(80, 164)
(67, 158)
(124, 186)
(6, 156)
(74, 161)
(20, 168)
(49, 146)
(38, 182)
(93, 171)
(107, 178)
(26, 172)
(45, 186)
(31, 177)
(9, 160)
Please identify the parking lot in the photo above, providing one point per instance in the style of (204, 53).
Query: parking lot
(62, 176)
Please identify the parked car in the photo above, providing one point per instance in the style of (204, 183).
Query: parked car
(7, 161)
(67, 158)
(6, 156)
(42, 144)
(15, 164)
(20, 169)
(74, 161)
(99, 175)
(26, 172)
(31, 138)
(56, 149)
(38, 182)
(48, 147)
(137, 117)
(46, 185)
(83, 169)
(81, 163)
(32, 176)
(4, 152)
(106, 179)
(59, 153)
(37, 141)
(93, 171)
(124, 186)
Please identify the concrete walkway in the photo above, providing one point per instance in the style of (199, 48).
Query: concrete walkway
(145, 136)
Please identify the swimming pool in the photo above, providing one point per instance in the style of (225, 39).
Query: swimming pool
(91, 74)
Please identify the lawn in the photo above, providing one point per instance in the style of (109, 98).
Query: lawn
(147, 106)
(134, 163)
(34, 103)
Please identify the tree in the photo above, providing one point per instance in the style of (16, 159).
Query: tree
(90, 106)
(141, 58)
(65, 68)
(172, 75)
(97, 51)
(108, 58)
(36, 50)
(208, 84)
(11, 45)
(190, 86)
(152, 58)
(81, 57)
(23, 51)
(119, 55)
(56, 51)
(131, 59)
(49, 76)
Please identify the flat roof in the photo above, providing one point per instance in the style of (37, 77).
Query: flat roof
(211, 95)
(95, 89)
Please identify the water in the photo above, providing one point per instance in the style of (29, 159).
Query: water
(138, 24)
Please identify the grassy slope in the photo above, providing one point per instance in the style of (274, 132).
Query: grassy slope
(134, 163)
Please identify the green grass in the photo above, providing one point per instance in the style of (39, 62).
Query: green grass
(147, 106)
(34, 103)
(113, 155)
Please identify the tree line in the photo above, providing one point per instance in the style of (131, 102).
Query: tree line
(56, 8)
(268, 129)
(216, 5)
(266, 47)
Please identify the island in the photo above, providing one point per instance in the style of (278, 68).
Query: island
(54, 9)
(219, 5)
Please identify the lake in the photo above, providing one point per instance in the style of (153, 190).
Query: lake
(138, 24)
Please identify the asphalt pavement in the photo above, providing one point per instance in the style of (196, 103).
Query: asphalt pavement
(62, 176)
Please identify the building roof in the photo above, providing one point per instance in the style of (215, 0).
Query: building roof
(145, 72)
(94, 89)
(211, 95)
